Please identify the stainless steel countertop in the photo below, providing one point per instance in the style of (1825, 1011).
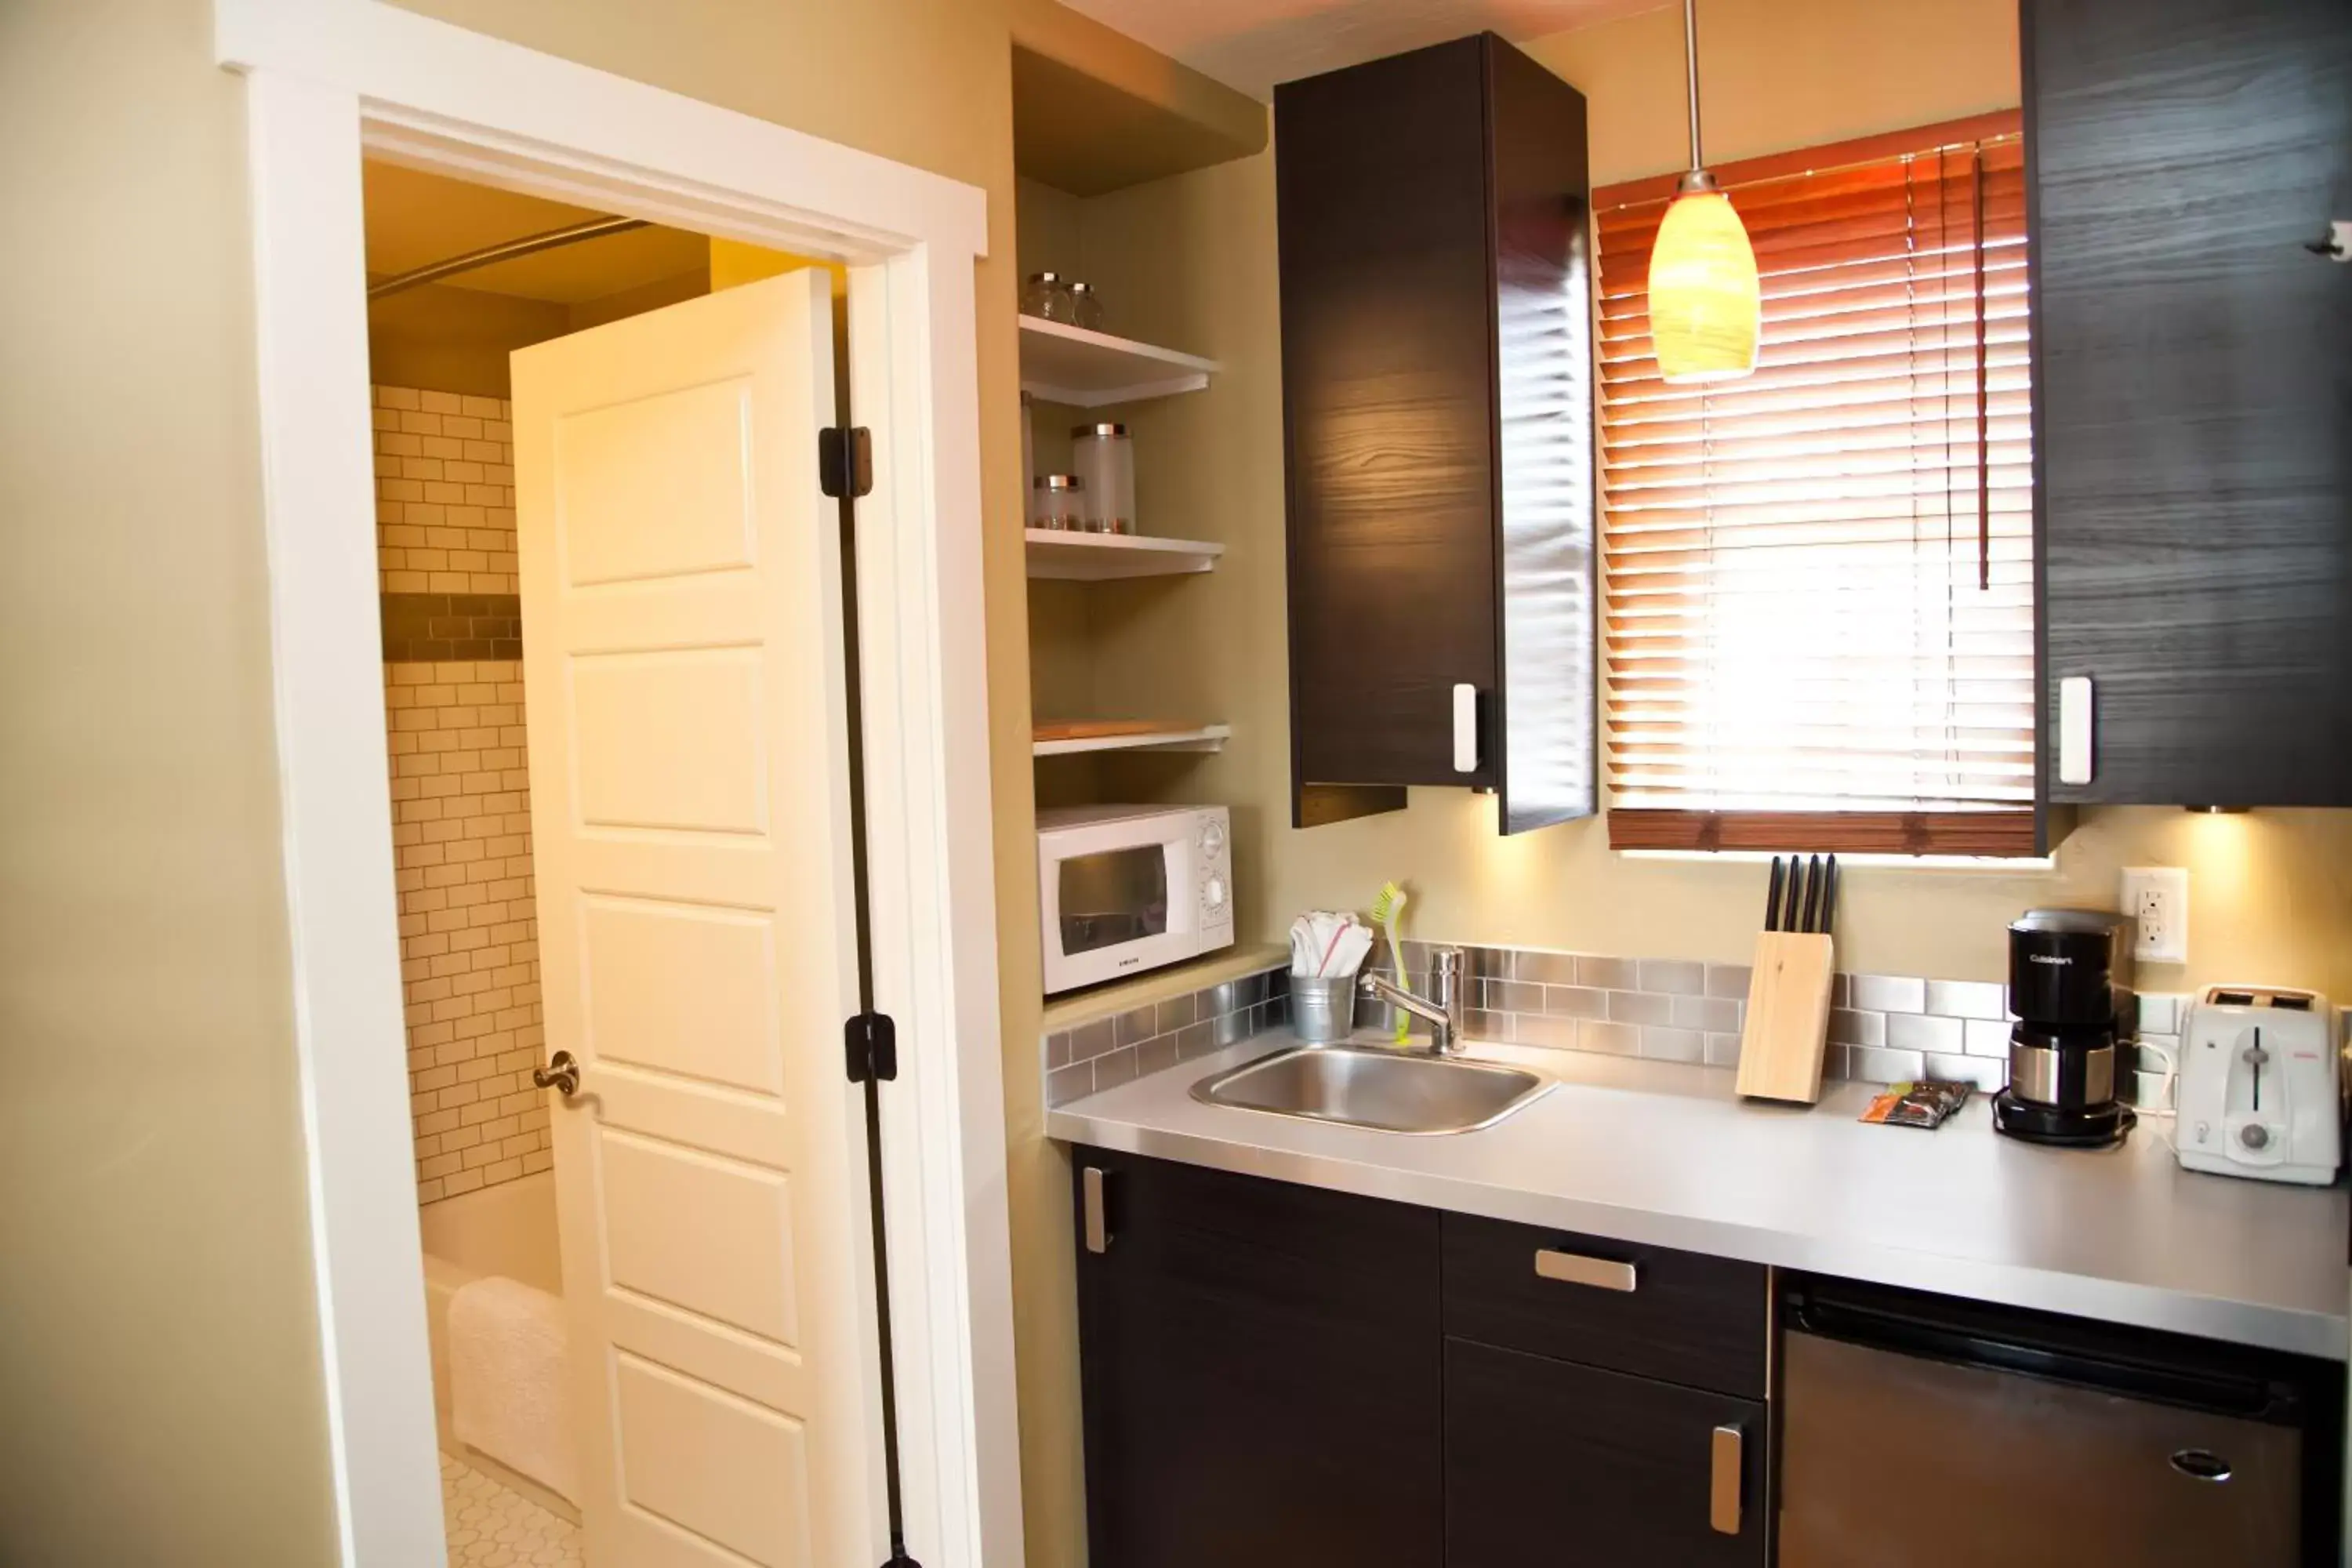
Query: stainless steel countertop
(1668, 1154)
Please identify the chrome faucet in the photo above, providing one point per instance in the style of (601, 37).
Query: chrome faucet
(1442, 1012)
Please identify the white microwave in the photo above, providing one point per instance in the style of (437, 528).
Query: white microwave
(1130, 887)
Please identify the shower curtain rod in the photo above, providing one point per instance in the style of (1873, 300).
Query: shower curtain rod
(504, 250)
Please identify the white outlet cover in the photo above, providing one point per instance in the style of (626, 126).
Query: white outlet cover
(2156, 896)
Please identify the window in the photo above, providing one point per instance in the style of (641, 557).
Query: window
(1819, 628)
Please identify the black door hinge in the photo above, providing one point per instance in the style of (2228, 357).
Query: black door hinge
(872, 1048)
(844, 461)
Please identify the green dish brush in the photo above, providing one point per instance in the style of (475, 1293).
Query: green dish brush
(1386, 908)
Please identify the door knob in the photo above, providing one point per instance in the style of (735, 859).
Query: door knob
(561, 1071)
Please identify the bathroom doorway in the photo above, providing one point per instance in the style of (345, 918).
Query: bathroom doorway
(321, 87)
(617, 692)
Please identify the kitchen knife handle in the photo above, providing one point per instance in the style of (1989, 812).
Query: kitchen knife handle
(1812, 916)
(1772, 898)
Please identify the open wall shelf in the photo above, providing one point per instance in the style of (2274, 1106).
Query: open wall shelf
(1102, 557)
(1062, 364)
(1196, 738)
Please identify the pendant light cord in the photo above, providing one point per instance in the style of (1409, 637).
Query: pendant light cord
(1690, 65)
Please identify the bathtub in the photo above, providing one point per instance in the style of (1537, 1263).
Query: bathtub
(507, 1229)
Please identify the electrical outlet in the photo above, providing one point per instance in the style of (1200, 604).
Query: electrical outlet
(2157, 898)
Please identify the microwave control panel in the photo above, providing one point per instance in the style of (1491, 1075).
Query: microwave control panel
(1212, 861)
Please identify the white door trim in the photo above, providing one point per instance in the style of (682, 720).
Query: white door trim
(324, 80)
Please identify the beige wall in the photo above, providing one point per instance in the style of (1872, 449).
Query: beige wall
(1187, 262)
(160, 1368)
(1780, 74)
(441, 335)
(457, 339)
(160, 1393)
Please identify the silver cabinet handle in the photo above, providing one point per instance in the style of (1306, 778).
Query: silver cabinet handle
(1465, 728)
(1090, 1184)
(2076, 760)
(561, 1071)
(1575, 1269)
(1723, 1480)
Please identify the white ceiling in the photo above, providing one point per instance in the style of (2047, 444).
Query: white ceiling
(1254, 44)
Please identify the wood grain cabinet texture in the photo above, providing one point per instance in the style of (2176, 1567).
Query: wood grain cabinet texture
(1437, 401)
(1550, 1462)
(1275, 1375)
(1260, 1372)
(2193, 392)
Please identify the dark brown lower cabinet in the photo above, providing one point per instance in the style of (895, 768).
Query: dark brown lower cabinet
(1261, 1372)
(1269, 1384)
(1551, 1463)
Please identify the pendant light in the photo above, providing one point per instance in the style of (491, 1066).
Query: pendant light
(1706, 306)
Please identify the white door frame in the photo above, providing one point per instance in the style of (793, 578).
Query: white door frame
(324, 80)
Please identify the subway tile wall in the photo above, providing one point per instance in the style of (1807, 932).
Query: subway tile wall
(460, 790)
(446, 526)
(468, 930)
(1883, 1029)
(445, 492)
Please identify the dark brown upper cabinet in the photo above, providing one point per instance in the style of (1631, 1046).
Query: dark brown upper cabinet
(1437, 414)
(2193, 395)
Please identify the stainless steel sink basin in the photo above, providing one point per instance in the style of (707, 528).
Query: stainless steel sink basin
(1387, 1091)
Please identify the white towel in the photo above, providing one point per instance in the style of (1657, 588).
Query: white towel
(1328, 942)
(510, 1380)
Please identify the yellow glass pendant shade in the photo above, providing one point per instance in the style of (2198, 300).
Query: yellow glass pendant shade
(1707, 308)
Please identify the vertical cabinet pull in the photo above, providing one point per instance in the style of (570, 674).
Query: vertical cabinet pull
(1723, 1480)
(1090, 1184)
(2075, 701)
(1465, 728)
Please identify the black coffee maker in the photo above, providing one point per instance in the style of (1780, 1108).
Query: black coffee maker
(2069, 985)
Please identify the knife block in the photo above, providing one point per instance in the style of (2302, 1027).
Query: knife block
(1787, 1031)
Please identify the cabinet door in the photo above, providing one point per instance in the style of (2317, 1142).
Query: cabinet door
(1388, 382)
(1550, 1465)
(1260, 1367)
(1437, 421)
(2193, 410)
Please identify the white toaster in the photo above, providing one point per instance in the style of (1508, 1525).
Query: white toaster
(2260, 1094)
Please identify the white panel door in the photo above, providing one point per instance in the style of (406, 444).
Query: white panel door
(684, 670)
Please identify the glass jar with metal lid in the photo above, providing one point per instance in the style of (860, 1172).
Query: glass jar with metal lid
(1103, 457)
(1047, 295)
(1058, 501)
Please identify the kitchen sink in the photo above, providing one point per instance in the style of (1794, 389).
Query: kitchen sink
(1366, 1086)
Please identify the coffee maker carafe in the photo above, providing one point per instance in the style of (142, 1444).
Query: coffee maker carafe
(2069, 977)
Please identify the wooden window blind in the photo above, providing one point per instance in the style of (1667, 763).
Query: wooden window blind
(1820, 630)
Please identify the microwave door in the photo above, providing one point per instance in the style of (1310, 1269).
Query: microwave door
(1113, 896)
(1117, 909)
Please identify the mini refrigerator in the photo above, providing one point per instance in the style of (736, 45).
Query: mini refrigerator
(1934, 1433)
